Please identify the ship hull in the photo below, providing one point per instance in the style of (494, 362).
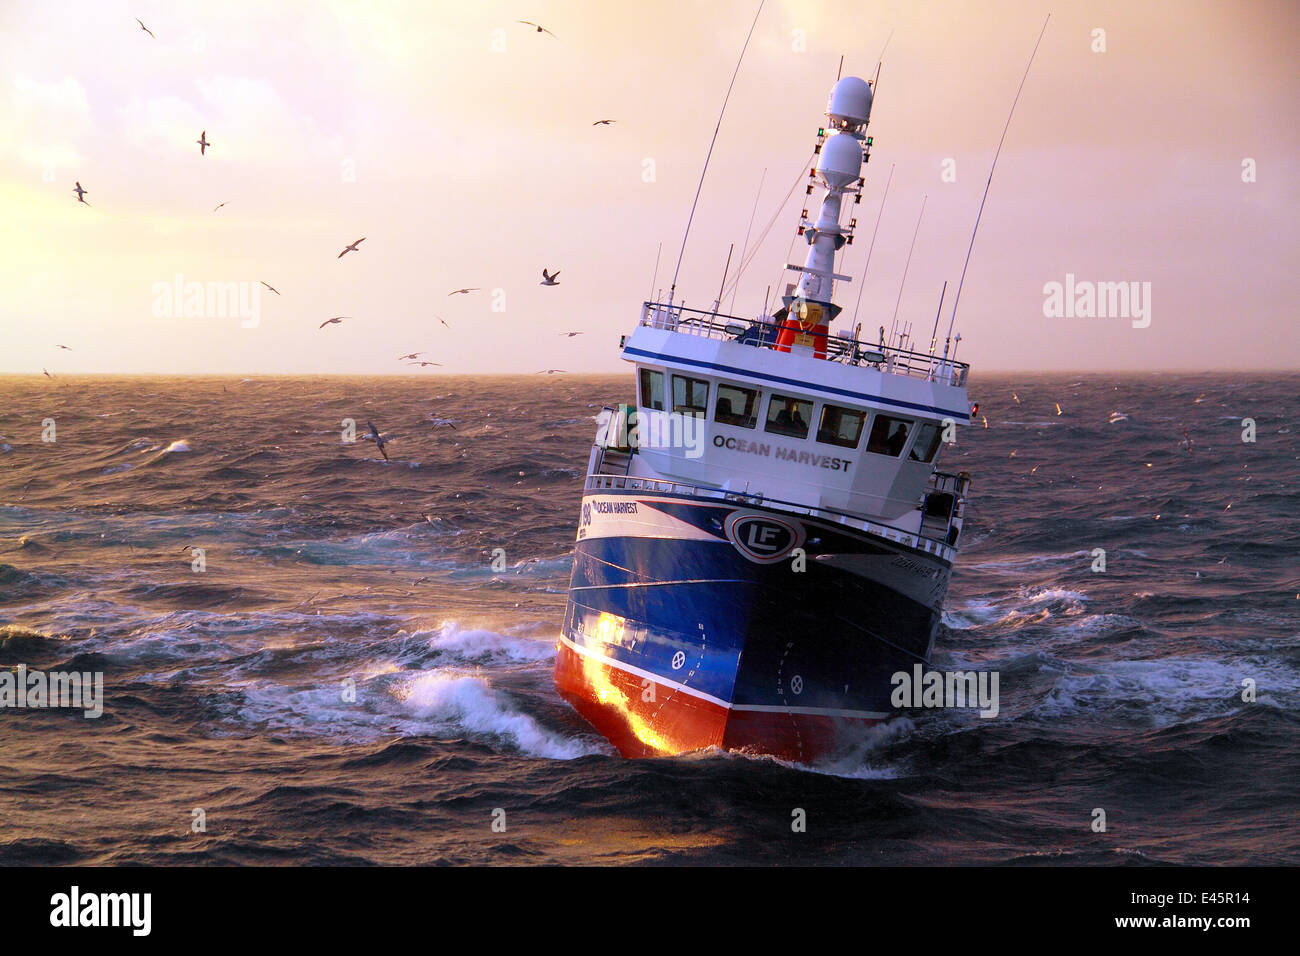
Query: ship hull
(700, 623)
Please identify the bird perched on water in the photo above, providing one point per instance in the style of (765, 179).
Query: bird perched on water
(81, 193)
(337, 320)
(269, 286)
(540, 28)
(603, 122)
(1058, 408)
(144, 28)
(352, 248)
(1187, 440)
(548, 278)
(378, 439)
(203, 143)
(463, 291)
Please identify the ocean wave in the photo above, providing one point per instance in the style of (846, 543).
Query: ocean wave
(468, 702)
(1165, 691)
(453, 642)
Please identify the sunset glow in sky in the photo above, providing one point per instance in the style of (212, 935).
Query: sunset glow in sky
(460, 144)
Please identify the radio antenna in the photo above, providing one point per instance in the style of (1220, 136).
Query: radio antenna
(881, 59)
(655, 277)
(723, 284)
(996, 154)
(934, 336)
(907, 265)
(879, 213)
(735, 285)
(673, 290)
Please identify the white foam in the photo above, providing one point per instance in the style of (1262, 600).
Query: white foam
(469, 702)
(1165, 691)
(473, 644)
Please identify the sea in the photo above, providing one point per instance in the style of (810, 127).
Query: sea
(313, 655)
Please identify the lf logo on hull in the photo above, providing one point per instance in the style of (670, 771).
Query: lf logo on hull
(763, 538)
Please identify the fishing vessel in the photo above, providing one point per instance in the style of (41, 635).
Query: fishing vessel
(765, 537)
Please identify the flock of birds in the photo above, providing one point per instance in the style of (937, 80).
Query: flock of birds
(413, 359)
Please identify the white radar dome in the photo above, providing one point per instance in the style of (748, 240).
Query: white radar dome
(840, 161)
(850, 104)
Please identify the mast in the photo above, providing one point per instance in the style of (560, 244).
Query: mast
(839, 166)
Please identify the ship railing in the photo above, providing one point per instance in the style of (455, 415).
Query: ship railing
(942, 481)
(939, 548)
(840, 347)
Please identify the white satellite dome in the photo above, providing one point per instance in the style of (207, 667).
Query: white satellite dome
(850, 104)
(840, 161)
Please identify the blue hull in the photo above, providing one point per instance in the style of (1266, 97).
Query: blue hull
(696, 616)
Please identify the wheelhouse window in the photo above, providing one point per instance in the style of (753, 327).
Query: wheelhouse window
(736, 406)
(690, 395)
(652, 389)
(788, 416)
(889, 435)
(841, 426)
(929, 436)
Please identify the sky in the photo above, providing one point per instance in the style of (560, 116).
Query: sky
(459, 143)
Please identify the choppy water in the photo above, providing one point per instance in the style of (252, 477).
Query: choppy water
(1119, 690)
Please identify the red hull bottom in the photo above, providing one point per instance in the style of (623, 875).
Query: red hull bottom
(644, 718)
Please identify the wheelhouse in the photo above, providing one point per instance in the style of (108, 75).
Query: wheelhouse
(859, 431)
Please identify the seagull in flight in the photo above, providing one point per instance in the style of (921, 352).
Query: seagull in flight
(463, 291)
(570, 334)
(423, 363)
(413, 355)
(81, 193)
(548, 278)
(144, 28)
(217, 206)
(442, 320)
(271, 287)
(605, 122)
(47, 373)
(66, 349)
(352, 248)
(378, 439)
(540, 28)
(338, 319)
(203, 143)
(550, 371)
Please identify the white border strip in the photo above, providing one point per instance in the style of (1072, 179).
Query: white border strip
(762, 708)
